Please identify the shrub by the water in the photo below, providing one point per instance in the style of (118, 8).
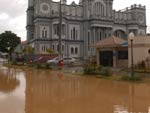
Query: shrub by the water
(90, 70)
(37, 66)
(128, 78)
(99, 70)
(14, 62)
(99, 67)
(106, 72)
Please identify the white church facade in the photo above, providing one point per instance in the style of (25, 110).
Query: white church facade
(83, 24)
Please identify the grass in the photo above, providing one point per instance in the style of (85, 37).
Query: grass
(137, 70)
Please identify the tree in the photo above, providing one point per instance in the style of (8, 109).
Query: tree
(8, 41)
(50, 50)
(28, 50)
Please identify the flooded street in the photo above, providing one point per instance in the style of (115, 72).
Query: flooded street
(36, 91)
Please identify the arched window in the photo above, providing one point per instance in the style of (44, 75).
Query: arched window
(58, 48)
(74, 33)
(76, 50)
(63, 29)
(99, 9)
(72, 50)
(88, 40)
(120, 34)
(56, 29)
(63, 47)
(44, 32)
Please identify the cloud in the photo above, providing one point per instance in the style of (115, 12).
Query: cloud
(4, 16)
(13, 8)
(13, 16)
(18, 24)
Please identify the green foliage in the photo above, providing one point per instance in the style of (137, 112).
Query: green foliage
(37, 66)
(97, 70)
(47, 66)
(128, 78)
(28, 50)
(140, 65)
(8, 41)
(106, 72)
(99, 67)
(14, 62)
(50, 50)
(43, 66)
(90, 70)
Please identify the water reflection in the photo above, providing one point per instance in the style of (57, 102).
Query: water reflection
(56, 93)
(8, 80)
(12, 87)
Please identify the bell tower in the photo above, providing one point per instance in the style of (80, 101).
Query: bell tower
(109, 7)
(80, 2)
(30, 17)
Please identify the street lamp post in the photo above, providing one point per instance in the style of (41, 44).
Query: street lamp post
(8, 48)
(60, 26)
(131, 36)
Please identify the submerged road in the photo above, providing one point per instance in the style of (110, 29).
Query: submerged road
(45, 91)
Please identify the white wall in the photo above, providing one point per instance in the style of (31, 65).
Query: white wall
(141, 45)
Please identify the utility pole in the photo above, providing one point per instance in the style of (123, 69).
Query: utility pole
(60, 28)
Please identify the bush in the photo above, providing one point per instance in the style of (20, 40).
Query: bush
(106, 72)
(140, 65)
(128, 78)
(14, 62)
(125, 78)
(47, 66)
(99, 67)
(90, 70)
(37, 66)
(30, 65)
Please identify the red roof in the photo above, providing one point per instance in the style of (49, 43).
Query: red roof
(24, 42)
(109, 42)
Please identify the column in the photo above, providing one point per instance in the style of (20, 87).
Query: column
(114, 58)
(94, 35)
(98, 56)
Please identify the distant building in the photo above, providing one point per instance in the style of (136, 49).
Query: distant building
(83, 24)
(141, 49)
(116, 52)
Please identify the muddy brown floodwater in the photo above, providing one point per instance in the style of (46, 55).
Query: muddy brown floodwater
(37, 91)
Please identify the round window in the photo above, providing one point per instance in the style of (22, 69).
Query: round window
(45, 7)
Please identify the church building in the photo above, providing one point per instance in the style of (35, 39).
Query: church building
(83, 24)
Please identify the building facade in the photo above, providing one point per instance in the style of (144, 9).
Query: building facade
(83, 24)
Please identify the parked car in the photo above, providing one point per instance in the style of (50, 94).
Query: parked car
(66, 61)
(69, 61)
(41, 59)
(53, 61)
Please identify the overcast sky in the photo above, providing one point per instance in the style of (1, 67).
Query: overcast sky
(13, 13)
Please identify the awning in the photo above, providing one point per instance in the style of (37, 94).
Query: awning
(125, 44)
(109, 42)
